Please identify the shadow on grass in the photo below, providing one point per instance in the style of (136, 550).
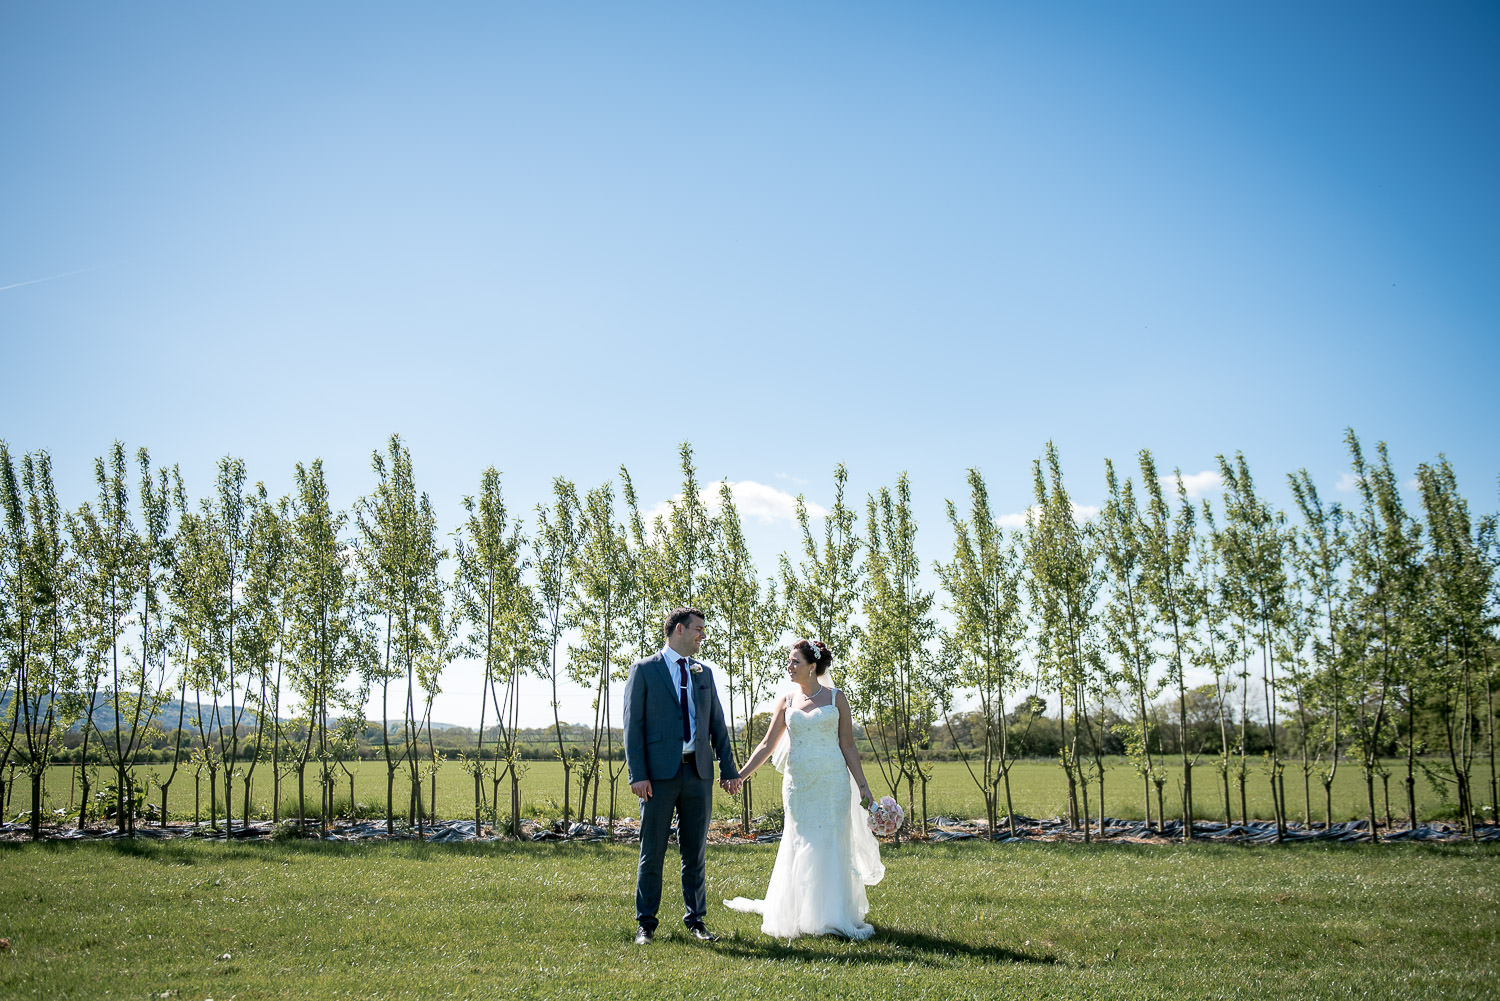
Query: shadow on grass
(890, 945)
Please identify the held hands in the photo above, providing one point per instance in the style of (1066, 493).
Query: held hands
(642, 789)
(731, 786)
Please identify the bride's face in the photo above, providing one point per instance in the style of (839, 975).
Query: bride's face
(797, 669)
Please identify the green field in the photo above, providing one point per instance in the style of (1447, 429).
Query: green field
(190, 920)
(1038, 789)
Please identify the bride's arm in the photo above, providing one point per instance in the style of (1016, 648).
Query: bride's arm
(846, 745)
(768, 742)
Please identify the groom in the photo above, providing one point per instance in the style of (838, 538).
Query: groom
(674, 728)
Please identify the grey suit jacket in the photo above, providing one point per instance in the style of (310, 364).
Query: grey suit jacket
(653, 722)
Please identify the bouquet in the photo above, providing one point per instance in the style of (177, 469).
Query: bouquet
(885, 817)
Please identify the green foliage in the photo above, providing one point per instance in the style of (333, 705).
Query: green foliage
(1329, 634)
(498, 609)
(895, 676)
(1062, 557)
(981, 653)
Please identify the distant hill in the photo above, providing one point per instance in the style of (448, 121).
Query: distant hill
(168, 714)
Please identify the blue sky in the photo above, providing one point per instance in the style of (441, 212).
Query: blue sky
(906, 237)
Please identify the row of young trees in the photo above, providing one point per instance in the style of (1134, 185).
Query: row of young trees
(1371, 628)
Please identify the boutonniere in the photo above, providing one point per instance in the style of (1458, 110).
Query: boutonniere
(695, 667)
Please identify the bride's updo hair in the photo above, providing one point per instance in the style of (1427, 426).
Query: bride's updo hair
(815, 653)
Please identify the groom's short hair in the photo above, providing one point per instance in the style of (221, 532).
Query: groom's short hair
(680, 617)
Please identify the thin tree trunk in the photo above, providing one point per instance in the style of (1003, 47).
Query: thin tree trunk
(36, 806)
(1411, 766)
(1084, 789)
(1489, 701)
(515, 803)
(213, 798)
(1010, 810)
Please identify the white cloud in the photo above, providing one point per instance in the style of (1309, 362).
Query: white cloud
(1013, 521)
(1081, 513)
(753, 500)
(1413, 484)
(1347, 482)
(1197, 484)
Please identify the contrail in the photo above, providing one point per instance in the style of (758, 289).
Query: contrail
(50, 278)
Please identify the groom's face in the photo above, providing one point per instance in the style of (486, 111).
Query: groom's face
(689, 636)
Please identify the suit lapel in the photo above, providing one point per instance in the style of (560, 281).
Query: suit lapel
(668, 675)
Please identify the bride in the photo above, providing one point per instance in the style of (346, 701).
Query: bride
(827, 855)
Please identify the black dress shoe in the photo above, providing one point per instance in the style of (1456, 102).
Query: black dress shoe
(643, 935)
(701, 932)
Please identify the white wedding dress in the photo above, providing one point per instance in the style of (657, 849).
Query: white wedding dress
(827, 855)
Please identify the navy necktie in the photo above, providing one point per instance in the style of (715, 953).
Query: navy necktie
(682, 693)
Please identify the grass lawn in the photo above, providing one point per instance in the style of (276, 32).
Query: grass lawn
(191, 920)
(1038, 789)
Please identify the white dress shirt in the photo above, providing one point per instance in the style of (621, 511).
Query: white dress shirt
(672, 657)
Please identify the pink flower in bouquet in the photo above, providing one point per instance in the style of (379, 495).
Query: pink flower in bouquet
(886, 817)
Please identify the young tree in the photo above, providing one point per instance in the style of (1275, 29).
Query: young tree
(263, 633)
(154, 563)
(600, 601)
(896, 677)
(1324, 551)
(109, 556)
(1168, 552)
(436, 655)
(1214, 648)
(553, 550)
(1460, 579)
(38, 634)
(1064, 589)
(737, 640)
(1254, 555)
(981, 652)
(327, 638)
(1129, 618)
(229, 516)
(175, 641)
(1298, 622)
(208, 579)
(763, 668)
(398, 533)
(198, 591)
(1384, 590)
(499, 610)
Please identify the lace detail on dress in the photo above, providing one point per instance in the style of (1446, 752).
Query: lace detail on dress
(827, 854)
